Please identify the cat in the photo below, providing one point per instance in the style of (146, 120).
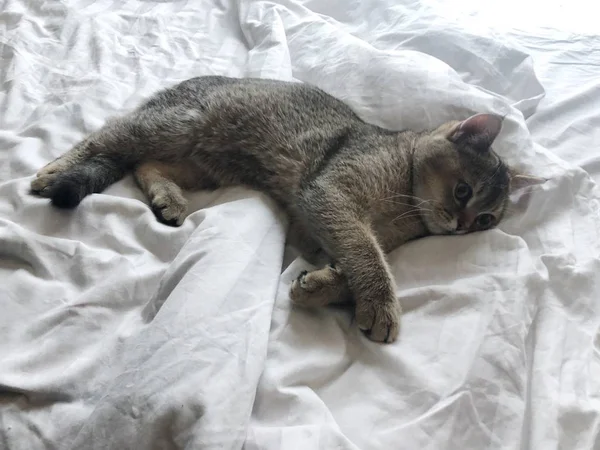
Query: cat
(353, 190)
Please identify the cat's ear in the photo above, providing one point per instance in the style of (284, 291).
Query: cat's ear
(478, 131)
(520, 181)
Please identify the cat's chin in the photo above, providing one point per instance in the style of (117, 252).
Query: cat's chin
(440, 227)
(439, 230)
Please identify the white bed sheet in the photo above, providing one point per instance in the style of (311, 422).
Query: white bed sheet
(119, 332)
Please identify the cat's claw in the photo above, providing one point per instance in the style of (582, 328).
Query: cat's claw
(379, 321)
(42, 184)
(169, 208)
(45, 178)
(319, 288)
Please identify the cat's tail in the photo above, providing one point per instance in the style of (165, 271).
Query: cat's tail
(90, 176)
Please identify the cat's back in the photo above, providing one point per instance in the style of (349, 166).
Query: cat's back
(291, 102)
(256, 99)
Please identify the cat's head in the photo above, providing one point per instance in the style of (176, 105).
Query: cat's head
(460, 183)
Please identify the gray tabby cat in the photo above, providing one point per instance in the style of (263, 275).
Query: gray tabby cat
(352, 189)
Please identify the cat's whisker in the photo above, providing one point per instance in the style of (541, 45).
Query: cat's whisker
(405, 218)
(415, 211)
(433, 203)
(412, 208)
(417, 206)
(407, 196)
(395, 200)
(412, 213)
(420, 200)
(398, 194)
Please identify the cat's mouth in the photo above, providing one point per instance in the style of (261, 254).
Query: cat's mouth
(442, 221)
(448, 221)
(453, 227)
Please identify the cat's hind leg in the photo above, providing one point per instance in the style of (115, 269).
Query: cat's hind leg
(101, 159)
(320, 288)
(162, 182)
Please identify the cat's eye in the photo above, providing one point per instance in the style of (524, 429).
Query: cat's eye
(484, 220)
(462, 192)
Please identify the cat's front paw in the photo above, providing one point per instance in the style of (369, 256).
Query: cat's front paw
(379, 320)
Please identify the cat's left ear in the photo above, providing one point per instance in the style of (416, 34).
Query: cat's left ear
(520, 181)
(478, 131)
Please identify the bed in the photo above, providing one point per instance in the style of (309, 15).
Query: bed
(117, 332)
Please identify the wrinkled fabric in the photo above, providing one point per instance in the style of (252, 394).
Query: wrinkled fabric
(120, 332)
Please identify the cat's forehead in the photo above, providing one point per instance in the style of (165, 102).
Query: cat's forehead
(490, 178)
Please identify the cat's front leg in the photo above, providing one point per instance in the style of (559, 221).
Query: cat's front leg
(378, 310)
(347, 237)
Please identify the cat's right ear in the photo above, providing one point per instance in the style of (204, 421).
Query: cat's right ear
(478, 131)
(520, 181)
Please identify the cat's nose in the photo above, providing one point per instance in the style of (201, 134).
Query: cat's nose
(464, 221)
(461, 226)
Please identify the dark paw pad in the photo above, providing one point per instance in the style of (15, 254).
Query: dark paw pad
(158, 212)
(301, 279)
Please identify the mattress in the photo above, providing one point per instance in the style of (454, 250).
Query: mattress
(117, 332)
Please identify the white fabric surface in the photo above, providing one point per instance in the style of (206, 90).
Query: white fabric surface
(117, 332)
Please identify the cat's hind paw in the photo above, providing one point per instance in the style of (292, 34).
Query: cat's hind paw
(42, 185)
(47, 176)
(320, 288)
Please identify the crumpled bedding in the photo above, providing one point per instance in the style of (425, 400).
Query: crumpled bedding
(117, 332)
